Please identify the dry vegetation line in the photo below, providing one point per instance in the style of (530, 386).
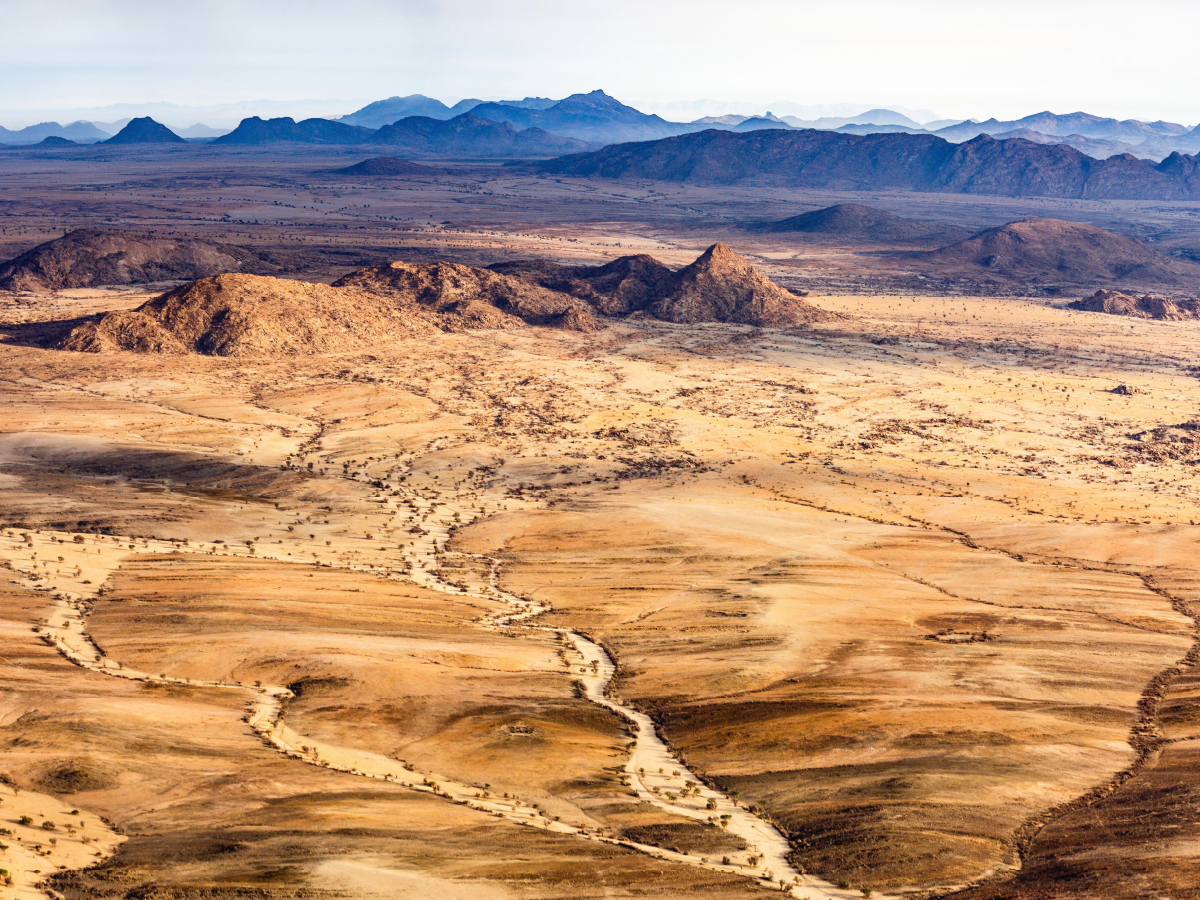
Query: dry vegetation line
(655, 775)
(1145, 737)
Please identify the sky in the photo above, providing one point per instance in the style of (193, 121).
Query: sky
(960, 58)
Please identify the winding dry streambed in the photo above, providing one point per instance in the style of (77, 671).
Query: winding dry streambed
(652, 771)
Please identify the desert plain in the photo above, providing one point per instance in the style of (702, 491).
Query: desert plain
(909, 595)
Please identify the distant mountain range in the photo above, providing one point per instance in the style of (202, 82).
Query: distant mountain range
(79, 132)
(1049, 123)
(1093, 135)
(89, 132)
(470, 135)
(385, 112)
(833, 161)
(594, 117)
(597, 118)
(464, 135)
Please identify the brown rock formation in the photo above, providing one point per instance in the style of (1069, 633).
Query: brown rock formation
(91, 257)
(1145, 307)
(471, 298)
(1039, 250)
(721, 286)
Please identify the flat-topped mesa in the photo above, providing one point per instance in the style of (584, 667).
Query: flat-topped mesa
(721, 286)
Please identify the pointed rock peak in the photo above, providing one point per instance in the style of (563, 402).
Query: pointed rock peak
(145, 130)
(720, 256)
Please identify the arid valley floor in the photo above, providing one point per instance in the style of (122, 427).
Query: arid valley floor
(920, 586)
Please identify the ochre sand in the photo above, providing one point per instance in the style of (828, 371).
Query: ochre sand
(904, 586)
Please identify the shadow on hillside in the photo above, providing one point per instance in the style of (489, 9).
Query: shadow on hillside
(42, 335)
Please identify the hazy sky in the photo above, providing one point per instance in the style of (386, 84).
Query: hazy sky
(962, 58)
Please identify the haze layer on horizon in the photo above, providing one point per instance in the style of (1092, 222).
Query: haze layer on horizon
(963, 59)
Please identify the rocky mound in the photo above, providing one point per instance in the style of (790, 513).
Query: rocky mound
(384, 166)
(90, 257)
(861, 224)
(248, 315)
(465, 297)
(145, 131)
(1145, 307)
(720, 286)
(1041, 250)
(626, 285)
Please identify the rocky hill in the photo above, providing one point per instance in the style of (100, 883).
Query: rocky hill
(860, 224)
(90, 258)
(465, 297)
(145, 131)
(721, 286)
(247, 315)
(626, 285)
(1041, 251)
(1116, 303)
(385, 167)
(908, 162)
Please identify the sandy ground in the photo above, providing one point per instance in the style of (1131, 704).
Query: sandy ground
(907, 589)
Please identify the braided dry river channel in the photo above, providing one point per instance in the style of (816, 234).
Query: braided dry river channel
(652, 771)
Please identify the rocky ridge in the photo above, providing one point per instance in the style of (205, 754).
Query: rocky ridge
(92, 257)
(248, 315)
